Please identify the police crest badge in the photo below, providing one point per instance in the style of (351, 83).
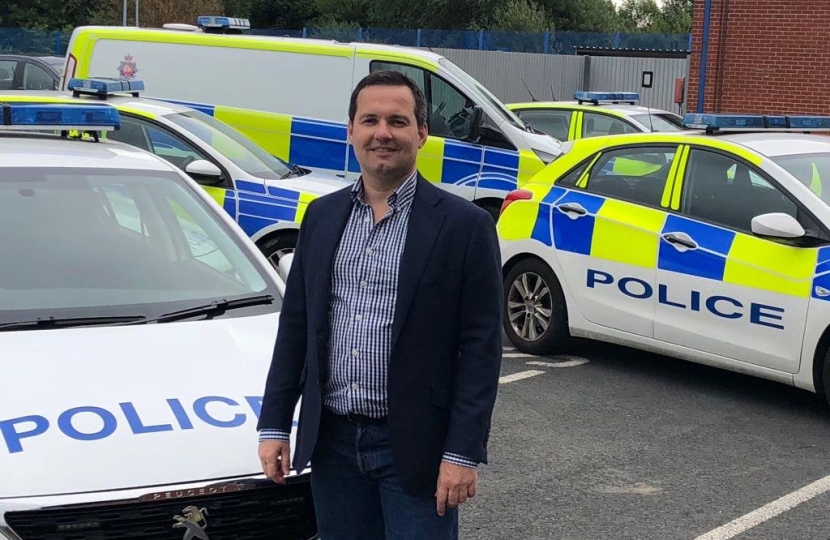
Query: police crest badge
(127, 69)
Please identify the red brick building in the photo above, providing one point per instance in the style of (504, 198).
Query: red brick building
(763, 56)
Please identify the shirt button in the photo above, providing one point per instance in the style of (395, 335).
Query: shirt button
(354, 386)
(355, 352)
(363, 284)
(358, 317)
(367, 219)
(368, 251)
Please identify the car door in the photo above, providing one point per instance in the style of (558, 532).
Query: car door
(721, 289)
(606, 230)
(168, 145)
(36, 77)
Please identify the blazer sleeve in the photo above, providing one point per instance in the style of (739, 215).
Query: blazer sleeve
(480, 344)
(282, 386)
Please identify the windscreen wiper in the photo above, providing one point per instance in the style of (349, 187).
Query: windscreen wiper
(68, 322)
(210, 310)
(295, 171)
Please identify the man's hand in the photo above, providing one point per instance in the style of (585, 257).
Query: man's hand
(456, 484)
(275, 457)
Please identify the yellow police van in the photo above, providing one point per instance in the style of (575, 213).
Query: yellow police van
(137, 327)
(291, 96)
(714, 249)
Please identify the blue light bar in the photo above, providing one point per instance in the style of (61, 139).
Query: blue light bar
(209, 21)
(103, 87)
(607, 97)
(755, 122)
(53, 116)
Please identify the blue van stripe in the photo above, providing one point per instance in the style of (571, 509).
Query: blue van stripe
(553, 195)
(277, 201)
(337, 132)
(509, 160)
(541, 229)
(501, 184)
(317, 154)
(465, 152)
(454, 172)
(352, 164)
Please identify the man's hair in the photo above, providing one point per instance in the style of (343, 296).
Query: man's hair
(391, 78)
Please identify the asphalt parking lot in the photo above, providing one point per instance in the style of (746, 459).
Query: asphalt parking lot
(640, 446)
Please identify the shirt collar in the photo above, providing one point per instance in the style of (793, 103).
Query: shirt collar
(399, 198)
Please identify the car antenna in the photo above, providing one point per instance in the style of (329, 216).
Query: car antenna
(528, 90)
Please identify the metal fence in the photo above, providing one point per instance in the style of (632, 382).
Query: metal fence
(23, 41)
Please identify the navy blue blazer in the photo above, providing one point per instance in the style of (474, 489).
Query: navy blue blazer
(446, 343)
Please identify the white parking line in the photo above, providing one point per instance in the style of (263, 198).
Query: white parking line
(768, 511)
(568, 363)
(519, 376)
(518, 355)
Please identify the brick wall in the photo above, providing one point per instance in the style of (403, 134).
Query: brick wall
(765, 57)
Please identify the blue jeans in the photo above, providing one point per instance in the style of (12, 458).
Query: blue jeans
(357, 495)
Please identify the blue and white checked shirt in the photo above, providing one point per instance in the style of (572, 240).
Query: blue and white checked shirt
(362, 308)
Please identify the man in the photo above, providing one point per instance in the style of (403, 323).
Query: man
(391, 331)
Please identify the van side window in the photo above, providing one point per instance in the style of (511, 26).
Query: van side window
(450, 113)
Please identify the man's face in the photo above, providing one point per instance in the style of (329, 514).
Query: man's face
(385, 135)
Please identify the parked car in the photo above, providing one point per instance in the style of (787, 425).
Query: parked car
(21, 72)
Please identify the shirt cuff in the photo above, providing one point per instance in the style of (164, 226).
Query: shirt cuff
(455, 459)
(274, 435)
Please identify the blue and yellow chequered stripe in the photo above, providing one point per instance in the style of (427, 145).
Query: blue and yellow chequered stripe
(324, 145)
(630, 234)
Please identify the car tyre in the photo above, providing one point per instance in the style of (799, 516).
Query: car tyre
(277, 245)
(534, 309)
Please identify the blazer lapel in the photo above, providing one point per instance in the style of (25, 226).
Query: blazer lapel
(324, 244)
(425, 222)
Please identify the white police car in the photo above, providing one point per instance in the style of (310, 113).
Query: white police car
(266, 196)
(711, 245)
(137, 326)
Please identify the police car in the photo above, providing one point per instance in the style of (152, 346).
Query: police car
(710, 245)
(593, 114)
(266, 196)
(137, 326)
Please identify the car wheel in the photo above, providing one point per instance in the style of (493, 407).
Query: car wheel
(535, 314)
(274, 247)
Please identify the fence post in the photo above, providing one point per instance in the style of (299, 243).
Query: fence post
(305, 31)
(58, 43)
(360, 34)
(481, 40)
(418, 38)
(547, 42)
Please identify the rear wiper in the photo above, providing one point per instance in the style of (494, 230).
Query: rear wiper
(67, 322)
(211, 310)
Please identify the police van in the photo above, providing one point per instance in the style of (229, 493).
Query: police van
(137, 327)
(710, 245)
(291, 96)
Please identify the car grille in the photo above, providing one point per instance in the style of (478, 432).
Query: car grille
(266, 510)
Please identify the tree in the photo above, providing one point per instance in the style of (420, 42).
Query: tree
(47, 14)
(640, 16)
(521, 16)
(678, 16)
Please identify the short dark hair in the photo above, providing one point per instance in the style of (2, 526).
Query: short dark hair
(391, 78)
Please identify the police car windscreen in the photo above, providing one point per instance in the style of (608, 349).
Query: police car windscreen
(115, 242)
(812, 170)
(232, 144)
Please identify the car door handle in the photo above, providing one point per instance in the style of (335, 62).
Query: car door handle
(573, 208)
(680, 239)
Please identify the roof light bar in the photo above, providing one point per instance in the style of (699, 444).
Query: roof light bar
(63, 117)
(755, 122)
(103, 87)
(210, 21)
(606, 97)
